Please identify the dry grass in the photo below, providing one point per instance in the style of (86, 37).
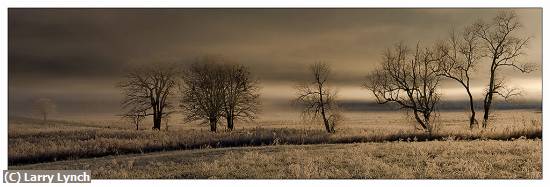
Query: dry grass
(489, 159)
(31, 141)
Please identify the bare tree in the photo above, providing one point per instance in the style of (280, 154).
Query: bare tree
(241, 98)
(135, 117)
(202, 91)
(503, 47)
(459, 56)
(147, 90)
(317, 99)
(167, 119)
(44, 107)
(410, 80)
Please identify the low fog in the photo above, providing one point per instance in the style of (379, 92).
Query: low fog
(76, 56)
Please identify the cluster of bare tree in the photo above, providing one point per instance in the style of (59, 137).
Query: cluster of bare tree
(212, 89)
(411, 78)
(209, 89)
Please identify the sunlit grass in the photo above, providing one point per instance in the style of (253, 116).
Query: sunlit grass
(488, 159)
(32, 141)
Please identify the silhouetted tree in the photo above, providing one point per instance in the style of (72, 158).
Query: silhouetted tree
(135, 117)
(213, 87)
(44, 107)
(409, 79)
(503, 47)
(459, 56)
(202, 91)
(241, 98)
(317, 99)
(147, 90)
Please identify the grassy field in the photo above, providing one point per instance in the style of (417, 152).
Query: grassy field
(32, 141)
(366, 145)
(489, 159)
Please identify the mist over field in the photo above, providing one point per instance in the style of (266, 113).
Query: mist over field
(76, 56)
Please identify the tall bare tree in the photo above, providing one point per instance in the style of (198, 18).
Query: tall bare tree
(44, 107)
(241, 98)
(499, 38)
(202, 91)
(409, 79)
(147, 90)
(317, 99)
(459, 56)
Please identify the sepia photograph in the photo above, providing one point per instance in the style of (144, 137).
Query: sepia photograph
(274, 93)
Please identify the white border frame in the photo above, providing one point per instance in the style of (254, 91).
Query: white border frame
(5, 4)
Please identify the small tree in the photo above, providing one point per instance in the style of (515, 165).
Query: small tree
(317, 99)
(410, 80)
(147, 90)
(167, 120)
(241, 98)
(44, 107)
(459, 56)
(202, 91)
(135, 117)
(503, 47)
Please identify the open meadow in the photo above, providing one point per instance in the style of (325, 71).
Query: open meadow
(366, 145)
(487, 159)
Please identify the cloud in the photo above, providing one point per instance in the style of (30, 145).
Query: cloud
(93, 47)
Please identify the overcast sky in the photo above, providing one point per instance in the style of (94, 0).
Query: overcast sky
(75, 56)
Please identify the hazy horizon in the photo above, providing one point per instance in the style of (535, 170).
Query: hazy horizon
(76, 56)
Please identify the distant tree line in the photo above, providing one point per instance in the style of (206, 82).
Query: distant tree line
(214, 88)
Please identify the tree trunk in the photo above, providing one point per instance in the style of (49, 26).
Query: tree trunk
(428, 128)
(327, 125)
(322, 103)
(213, 124)
(427, 124)
(473, 120)
(486, 110)
(325, 120)
(157, 121)
(229, 123)
(488, 98)
(332, 127)
(420, 121)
